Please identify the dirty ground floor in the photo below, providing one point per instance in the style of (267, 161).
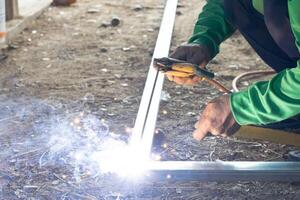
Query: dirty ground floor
(71, 62)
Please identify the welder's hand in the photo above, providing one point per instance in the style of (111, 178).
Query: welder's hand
(216, 119)
(192, 53)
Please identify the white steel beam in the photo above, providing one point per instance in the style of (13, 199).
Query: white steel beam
(146, 118)
(224, 171)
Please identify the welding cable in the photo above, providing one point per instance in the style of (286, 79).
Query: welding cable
(218, 85)
(236, 80)
(251, 73)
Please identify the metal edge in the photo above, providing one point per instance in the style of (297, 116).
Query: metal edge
(143, 130)
(224, 171)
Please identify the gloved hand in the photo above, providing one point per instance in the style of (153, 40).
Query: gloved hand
(216, 119)
(192, 53)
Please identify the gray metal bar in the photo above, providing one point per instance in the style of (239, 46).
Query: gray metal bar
(164, 42)
(224, 171)
(144, 127)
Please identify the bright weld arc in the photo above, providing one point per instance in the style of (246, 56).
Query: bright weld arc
(114, 156)
(139, 159)
(134, 159)
(124, 161)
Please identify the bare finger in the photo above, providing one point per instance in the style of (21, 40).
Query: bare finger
(196, 125)
(191, 81)
(224, 135)
(215, 132)
(180, 81)
(170, 77)
(202, 129)
(199, 134)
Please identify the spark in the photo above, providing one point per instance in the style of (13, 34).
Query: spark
(156, 157)
(89, 145)
(123, 160)
(77, 120)
(128, 130)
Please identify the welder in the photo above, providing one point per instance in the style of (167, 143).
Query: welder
(272, 28)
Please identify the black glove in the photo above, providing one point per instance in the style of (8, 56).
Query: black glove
(192, 53)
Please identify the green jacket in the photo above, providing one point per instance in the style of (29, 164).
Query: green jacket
(263, 102)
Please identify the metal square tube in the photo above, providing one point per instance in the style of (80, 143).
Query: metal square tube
(224, 171)
(146, 118)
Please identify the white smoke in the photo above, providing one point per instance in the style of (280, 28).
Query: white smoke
(54, 136)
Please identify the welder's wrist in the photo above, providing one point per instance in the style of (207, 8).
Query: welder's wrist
(207, 43)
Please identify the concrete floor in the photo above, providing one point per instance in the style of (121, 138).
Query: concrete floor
(28, 10)
(30, 7)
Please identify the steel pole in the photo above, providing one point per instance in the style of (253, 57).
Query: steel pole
(224, 171)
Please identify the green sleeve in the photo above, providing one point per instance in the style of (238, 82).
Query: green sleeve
(274, 100)
(211, 27)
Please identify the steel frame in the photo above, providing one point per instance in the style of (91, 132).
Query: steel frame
(144, 129)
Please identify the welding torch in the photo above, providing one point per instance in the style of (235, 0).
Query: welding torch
(183, 69)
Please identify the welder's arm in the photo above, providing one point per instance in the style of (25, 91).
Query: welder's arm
(275, 100)
(210, 30)
(211, 27)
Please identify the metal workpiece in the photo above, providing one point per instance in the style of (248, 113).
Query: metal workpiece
(146, 118)
(224, 171)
